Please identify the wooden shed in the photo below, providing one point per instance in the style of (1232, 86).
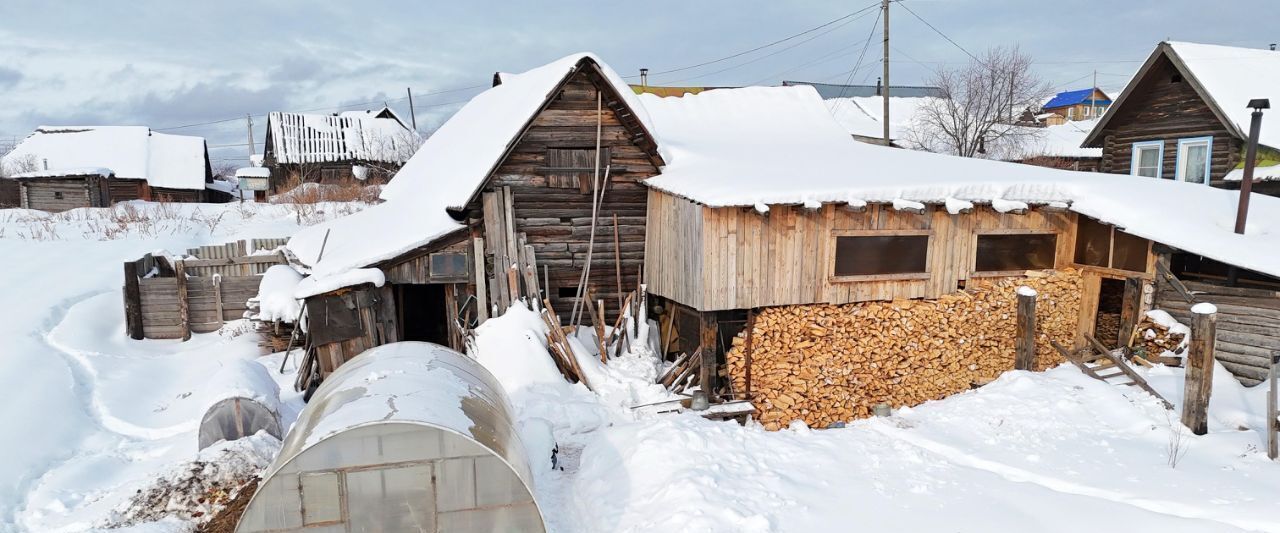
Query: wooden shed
(62, 190)
(353, 146)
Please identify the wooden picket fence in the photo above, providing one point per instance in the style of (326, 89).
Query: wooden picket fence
(172, 300)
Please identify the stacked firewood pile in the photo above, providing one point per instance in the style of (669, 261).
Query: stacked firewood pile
(1156, 341)
(831, 363)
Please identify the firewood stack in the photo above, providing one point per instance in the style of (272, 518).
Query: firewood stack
(832, 363)
(1153, 340)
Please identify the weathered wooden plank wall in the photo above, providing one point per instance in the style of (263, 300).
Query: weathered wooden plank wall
(747, 260)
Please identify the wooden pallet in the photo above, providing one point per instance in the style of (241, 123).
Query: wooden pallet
(1118, 368)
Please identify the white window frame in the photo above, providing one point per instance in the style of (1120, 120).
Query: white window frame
(1179, 166)
(1134, 159)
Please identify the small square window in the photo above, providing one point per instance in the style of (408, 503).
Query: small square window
(57, 195)
(872, 255)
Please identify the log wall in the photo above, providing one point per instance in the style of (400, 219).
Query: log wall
(42, 193)
(1248, 324)
(1160, 109)
(833, 363)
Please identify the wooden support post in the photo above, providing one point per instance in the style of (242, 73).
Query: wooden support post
(1025, 341)
(482, 293)
(708, 330)
(1273, 425)
(132, 301)
(184, 317)
(746, 349)
(1199, 364)
(451, 310)
(1131, 310)
(217, 298)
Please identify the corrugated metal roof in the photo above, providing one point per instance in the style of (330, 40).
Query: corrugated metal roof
(1076, 97)
(831, 90)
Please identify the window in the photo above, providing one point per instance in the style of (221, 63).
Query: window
(57, 195)
(1148, 157)
(321, 501)
(1070, 113)
(895, 254)
(1015, 251)
(1103, 245)
(448, 265)
(1193, 159)
(574, 167)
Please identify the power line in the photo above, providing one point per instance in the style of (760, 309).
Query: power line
(771, 54)
(761, 47)
(857, 65)
(936, 30)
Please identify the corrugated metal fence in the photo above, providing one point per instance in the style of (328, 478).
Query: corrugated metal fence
(165, 300)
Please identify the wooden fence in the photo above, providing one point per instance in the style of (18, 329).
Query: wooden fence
(172, 300)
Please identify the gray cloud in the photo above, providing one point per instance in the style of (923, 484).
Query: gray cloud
(9, 77)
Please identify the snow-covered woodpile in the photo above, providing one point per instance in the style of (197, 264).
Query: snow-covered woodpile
(830, 363)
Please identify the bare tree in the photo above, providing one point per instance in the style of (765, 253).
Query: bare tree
(980, 103)
(17, 165)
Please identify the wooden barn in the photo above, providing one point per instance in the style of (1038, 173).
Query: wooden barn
(61, 190)
(1184, 116)
(347, 147)
(825, 278)
(141, 164)
(549, 162)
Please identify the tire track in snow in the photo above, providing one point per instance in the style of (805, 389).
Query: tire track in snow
(1018, 475)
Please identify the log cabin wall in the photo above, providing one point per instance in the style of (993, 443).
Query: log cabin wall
(162, 194)
(1162, 109)
(746, 260)
(60, 194)
(552, 206)
(123, 190)
(1248, 326)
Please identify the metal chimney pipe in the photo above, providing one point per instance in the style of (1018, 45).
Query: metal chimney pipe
(1251, 154)
(644, 77)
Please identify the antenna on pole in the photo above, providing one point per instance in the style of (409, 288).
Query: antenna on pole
(413, 117)
(884, 7)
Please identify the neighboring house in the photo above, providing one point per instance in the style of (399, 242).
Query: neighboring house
(1185, 116)
(354, 145)
(1083, 104)
(141, 164)
(830, 91)
(862, 117)
(669, 91)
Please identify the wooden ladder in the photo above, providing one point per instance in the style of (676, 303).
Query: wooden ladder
(1098, 352)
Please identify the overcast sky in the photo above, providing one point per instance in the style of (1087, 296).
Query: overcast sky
(164, 63)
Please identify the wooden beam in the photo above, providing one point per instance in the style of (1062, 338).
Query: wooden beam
(708, 330)
(482, 293)
(184, 317)
(132, 301)
(1273, 418)
(1199, 364)
(1025, 341)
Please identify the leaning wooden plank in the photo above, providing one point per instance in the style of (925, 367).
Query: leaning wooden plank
(597, 326)
(1066, 354)
(553, 323)
(482, 293)
(674, 370)
(1133, 375)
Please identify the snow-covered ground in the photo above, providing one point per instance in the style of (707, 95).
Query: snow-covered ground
(94, 417)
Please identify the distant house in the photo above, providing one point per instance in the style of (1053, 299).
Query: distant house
(1058, 146)
(664, 91)
(1184, 116)
(1084, 104)
(354, 145)
(123, 162)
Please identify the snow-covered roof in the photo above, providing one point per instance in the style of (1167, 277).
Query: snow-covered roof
(294, 138)
(1228, 77)
(753, 146)
(861, 115)
(134, 152)
(1271, 173)
(1080, 96)
(446, 171)
(253, 172)
(1060, 140)
(67, 173)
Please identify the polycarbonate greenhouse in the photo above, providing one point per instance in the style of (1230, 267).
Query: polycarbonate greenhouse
(240, 399)
(408, 436)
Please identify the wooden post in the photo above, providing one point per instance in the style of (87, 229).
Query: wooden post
(217, 298)
(482, 294)
(1273, 425)
(184, 319)
(1199, 364)
(746, 349)
(132, 301)
(1131, 310)
(707, 347)
(1025, 341)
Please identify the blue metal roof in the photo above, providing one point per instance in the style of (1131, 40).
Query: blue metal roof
(1074, 97)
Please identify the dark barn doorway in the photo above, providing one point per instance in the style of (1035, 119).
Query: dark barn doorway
(1110, 308)
(422, 313)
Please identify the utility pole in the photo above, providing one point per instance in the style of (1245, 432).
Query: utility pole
(1093, 102)
(884, 8)
(249, 122)
(413, 117)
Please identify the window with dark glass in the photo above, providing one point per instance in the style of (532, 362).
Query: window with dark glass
(1102, 245)
(871, 255)
(1017, 251)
